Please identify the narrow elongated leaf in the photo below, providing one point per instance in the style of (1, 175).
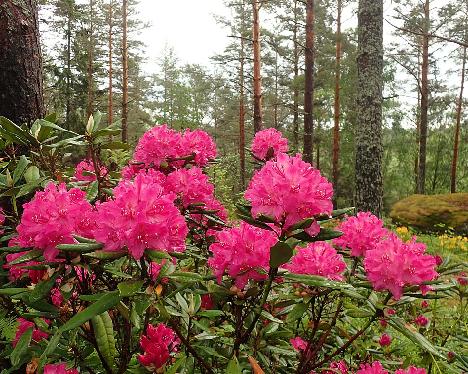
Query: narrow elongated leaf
(233, 367)
(17, 131)
(316, 281)
(92, 191)
(104, 334)
(106, 255)
(80, 247)
(107, 301)
(32, 174)
(187, 277)
(30, 255)
(297, 312)
(20, 168)
(21, 347)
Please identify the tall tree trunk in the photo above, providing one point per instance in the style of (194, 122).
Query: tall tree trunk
(369, 149)
(424, 102)
(257, 79)
(89, 109)
(453, 174)
(21, 90)
(242, 108)
(336, 116)
(275, 108)
(418, 121)
(295, 88)
(68, 77)
(317, 143)
(124, 73)
(110, 104)
(309, 83)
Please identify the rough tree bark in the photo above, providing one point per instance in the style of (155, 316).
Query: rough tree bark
(257, 79)
(124, 73)
(110, 103)
(336, 114)
(68, 77)
(424, 102)
(296, 75)
(309, 83)
(369, 149)
(453, 174)
(21, 90)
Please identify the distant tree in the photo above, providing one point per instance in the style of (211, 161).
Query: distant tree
(309, 82)
(124, 71)
(21, 88)
(369, 183)
(257, 77)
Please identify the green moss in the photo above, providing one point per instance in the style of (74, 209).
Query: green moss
(430, 213)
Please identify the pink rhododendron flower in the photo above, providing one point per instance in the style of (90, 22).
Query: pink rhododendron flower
(241, 252)
(338, 366)
(383, 323)
(385, 340)
(158, 344)
(60, 368)
(141, 216)
(289, 190)
(200, 144)
(190, 185)
(84, 171)
(16, 271)
(298, 343)
(424, 304)
(421, 320)
(318, 258)
(411, 370)
(374, 368)
(268, 139)
(393, 264)
(51, 218)
(23, 325)
(462, 279)
(157, 145)
(56, 297)
(360, 233)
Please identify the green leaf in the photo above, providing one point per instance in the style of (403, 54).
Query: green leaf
(254, 222)
(106, 255)
(20, 168)
(12, 291)
(297, 312)
(413, 335)
(185, 277)
(182, 302)
(90, 125)
(129, 288)
(102, 305)
(316, 281)
(157, 255)
(21, 347)
(53, 343)
(179, 363)
(280, 254)
(30, 255)
(17, 132)
(32, 174)
(269, 317)
(51, 125)
(80, 247)
(92, 190)
(210, 313)
(233, 367)
(104, 334)
(42, 289)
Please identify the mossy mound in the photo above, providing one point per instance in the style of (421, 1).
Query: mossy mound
(433, 213)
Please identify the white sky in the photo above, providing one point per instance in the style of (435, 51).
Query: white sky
(188, 26)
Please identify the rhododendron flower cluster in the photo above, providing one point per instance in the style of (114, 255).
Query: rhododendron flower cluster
(242, 252)
(51, 218)
(141, 216)
(393, 264)
(298, 343)
(289, 190)
(85, 172)
(338, 367)
(411, 370)
(385, 340)
(60, 368)
(374, 368)
(268, 144)
(190, 185)
(23, 325)
(421, 320)
(158, 344)
(360, 233)
(318, 258)
(162, 145)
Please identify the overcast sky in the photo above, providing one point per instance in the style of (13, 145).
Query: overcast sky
(188, 26)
